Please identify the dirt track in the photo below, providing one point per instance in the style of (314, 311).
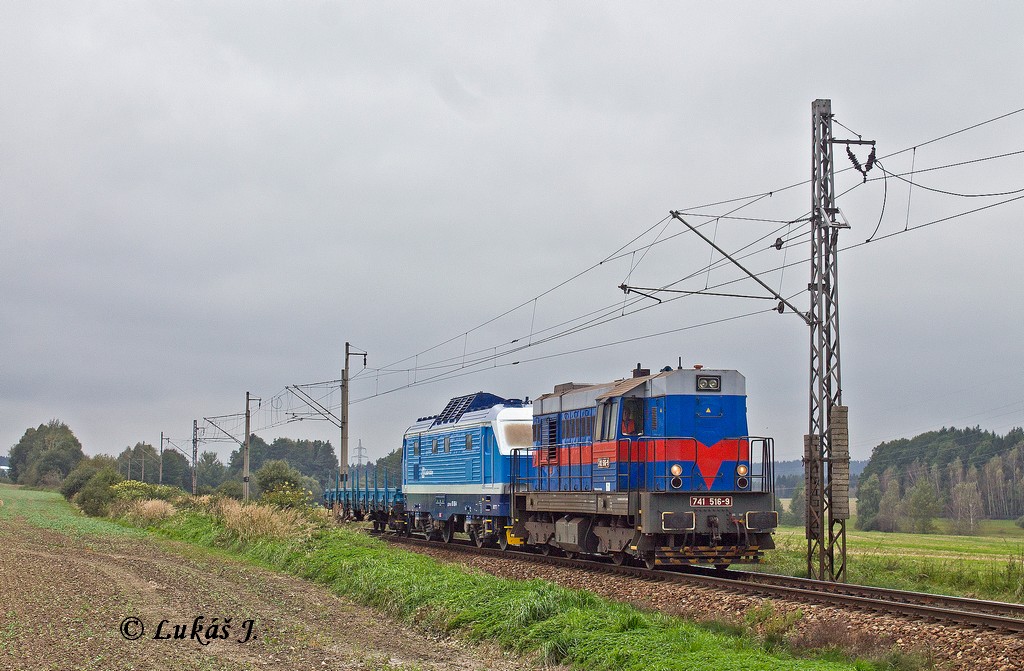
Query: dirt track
(63, 599)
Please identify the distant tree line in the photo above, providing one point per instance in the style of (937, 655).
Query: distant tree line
(964, 475)
(967, 475)
(51, 456)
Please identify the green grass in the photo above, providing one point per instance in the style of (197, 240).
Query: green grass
(532, 617)
(986, 567)
(49, 510)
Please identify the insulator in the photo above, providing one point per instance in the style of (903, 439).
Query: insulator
(871, 160)
(853, 160)
(778, 243)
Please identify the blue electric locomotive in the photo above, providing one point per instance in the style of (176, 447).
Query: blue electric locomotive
(455, 467)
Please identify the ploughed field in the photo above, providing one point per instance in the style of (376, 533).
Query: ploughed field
(68, 582)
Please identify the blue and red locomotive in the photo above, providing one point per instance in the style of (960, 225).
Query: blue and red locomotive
(657, 468)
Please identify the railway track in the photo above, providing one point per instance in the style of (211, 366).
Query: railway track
(991, 615)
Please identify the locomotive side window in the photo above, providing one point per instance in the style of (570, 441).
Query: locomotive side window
(632, 416)
(433, 445)
(469, 442)
(416, 446)
(447, 443)
(607, 415)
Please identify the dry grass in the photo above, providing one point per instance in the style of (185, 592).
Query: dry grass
(248, 522)
(146, 513)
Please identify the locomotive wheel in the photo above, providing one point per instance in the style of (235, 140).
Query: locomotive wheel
(448, 532)
(478, 538)
(619, 558)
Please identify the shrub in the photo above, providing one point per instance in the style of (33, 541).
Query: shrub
(97, 494)
(1020, 522)
(135, 490)
(287, 495)
(76, 480)
(231, 488)
(274, 473)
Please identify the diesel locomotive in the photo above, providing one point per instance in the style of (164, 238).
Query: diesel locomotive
(656, 468)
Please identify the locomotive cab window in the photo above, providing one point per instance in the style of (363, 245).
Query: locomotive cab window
(632, 416)
(607, 413)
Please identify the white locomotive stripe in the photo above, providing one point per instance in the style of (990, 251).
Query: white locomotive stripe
(485, 490)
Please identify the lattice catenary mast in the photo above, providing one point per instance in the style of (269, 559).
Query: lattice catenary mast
(827, 443)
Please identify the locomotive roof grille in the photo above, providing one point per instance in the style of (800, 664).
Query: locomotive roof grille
(460, 405)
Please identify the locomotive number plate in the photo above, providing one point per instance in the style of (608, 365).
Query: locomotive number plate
(711, 502)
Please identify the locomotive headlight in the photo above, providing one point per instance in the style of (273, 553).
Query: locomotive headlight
(741, 469)
(676, 470)
(709, 383)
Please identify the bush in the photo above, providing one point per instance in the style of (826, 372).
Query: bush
(274, 473)
(76, 480)
(1020, 522)
(287, 495)
(231, 488)
(97, 494)
(135, 490)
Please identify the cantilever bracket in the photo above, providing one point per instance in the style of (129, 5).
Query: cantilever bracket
(808, 319)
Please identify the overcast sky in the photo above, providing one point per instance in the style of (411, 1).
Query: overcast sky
(202, 199)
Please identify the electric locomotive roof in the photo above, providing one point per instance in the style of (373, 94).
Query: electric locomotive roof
(461, 406)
